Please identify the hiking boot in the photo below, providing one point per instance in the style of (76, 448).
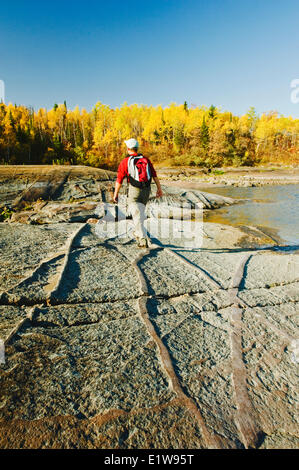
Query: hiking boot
(142, 243)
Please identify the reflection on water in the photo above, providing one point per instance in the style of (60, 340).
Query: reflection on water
(274, 207)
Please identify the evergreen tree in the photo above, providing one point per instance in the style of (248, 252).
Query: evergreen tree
(204, 135)
(212, 111)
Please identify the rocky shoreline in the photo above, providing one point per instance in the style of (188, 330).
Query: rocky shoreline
(241, 177)
(182, 345)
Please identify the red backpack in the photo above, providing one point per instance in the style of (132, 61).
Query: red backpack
(139, 171)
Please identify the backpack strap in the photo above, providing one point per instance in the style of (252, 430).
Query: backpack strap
(132, 169)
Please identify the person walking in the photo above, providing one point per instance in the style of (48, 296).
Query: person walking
(139, 172)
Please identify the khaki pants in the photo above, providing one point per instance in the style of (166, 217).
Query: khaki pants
(137, 199)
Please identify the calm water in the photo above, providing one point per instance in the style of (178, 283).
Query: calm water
(274, 207)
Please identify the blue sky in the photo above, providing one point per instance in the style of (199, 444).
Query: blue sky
(230, 53)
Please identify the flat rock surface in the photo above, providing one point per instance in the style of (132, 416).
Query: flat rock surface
(191, 343)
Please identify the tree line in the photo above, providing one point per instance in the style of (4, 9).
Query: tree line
(176, 135)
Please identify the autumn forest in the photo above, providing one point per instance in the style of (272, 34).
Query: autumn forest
(177, 135)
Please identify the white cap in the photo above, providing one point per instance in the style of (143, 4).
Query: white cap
(131, 143)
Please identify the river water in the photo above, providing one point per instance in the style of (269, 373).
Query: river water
(272, 207)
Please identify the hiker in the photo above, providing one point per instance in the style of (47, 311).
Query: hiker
(139, 172)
